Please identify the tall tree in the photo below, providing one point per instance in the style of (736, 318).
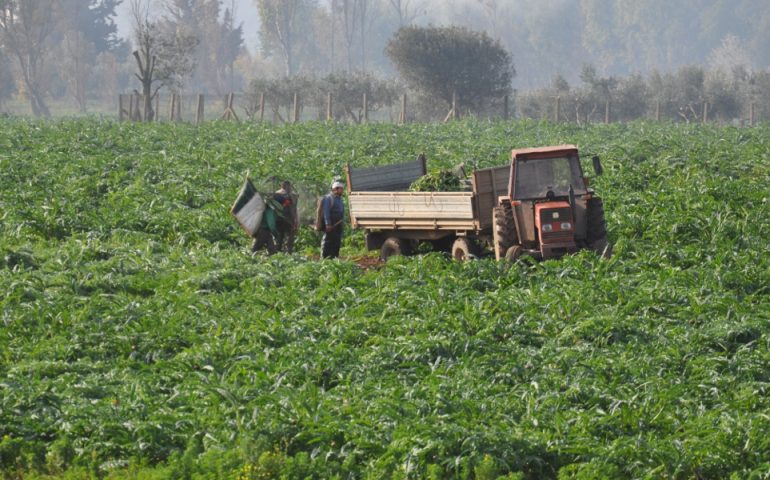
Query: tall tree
(7, 82)
(286, 27)
(26, 26)
(95, 19)
(230, 46)
(163, 57)
(353, 18)
(220, 42)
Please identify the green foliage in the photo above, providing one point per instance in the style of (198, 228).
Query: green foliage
(140, 339)
(438, 181)
(439, 62)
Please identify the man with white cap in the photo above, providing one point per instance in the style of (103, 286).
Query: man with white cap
(333, 214)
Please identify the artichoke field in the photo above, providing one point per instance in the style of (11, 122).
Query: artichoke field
(139, 338)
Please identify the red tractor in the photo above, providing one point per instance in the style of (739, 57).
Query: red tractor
(548, 210)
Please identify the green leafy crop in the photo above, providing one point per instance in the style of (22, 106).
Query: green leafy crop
(140, 339)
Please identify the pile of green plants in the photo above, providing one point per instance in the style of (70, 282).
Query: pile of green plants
(445, 180)
(139, 338)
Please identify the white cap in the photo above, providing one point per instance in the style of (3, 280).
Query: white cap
(337, 184)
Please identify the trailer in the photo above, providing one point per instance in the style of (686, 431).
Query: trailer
(396, 220)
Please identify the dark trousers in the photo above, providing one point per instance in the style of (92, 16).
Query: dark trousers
(263, 239)
(330, 243)
(285, 233)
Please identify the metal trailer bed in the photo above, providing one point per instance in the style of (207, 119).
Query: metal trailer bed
(380, 204)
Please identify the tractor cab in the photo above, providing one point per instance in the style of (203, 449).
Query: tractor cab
(549, 200)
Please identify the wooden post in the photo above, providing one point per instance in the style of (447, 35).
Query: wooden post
(557, 112)
(329, 112)
(402, 119)
(121, 109)
(454, 105)
(199, 110)
(657, 111)
(172, 108)
(261, 107)
(137, 110)
(607, 112)
(705, 112)
(505, 107)
(752, 116)
(296, 108)
(229, 109)
(131, 108)
(157, 107)
(366, 109)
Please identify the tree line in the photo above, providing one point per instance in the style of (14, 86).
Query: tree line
(70, 49)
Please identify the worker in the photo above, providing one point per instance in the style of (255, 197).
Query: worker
(265, 235)
(333, 213)
(288, 225)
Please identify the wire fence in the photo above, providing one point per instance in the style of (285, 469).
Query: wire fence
(243, 107)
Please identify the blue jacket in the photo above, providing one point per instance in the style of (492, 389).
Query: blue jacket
(333, 209)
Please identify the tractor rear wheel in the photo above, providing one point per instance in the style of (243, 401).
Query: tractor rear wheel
(504, 230)
(393, 246)
(463, 249)
(596, 228)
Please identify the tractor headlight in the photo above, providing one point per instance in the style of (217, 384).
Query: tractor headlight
(566, 226)
(547, 227)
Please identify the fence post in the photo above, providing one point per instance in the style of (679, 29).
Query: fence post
(557, 110)
(156, 113)
(454, 105)
(607, 112)
(137, 115)
(199, 110)
(121, 115)
(131, 108)
(751, 114)
(402, 119)
(329, 112)
(296, 108)
(657, 111)
(261, 107)
(705, 112)
(505, 107)
(172, 108)
(366, 108)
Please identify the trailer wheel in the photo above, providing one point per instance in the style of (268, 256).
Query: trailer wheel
(504, 232)
(596, 228)
(463, 249)
(394, 246)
